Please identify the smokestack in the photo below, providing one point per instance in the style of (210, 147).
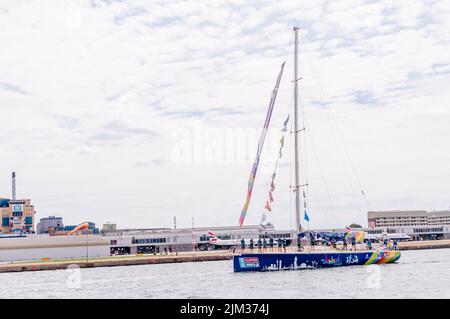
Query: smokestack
(14, 185)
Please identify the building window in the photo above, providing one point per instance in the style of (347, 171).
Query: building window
(204, 238)
(148, 241)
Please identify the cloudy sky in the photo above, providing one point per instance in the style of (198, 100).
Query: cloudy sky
(137, 111)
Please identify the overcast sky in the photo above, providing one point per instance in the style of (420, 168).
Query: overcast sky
(137, 111)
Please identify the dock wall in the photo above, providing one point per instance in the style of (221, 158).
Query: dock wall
(114, 261)
(426, 244)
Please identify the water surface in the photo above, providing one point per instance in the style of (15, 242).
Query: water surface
(418, 274)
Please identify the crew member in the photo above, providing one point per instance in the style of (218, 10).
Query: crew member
(299, 242)
(279, 244)
(243, 244)
(312, 240)
(354, 243)
(333, 243)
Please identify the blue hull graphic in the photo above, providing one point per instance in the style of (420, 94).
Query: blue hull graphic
(288, 261)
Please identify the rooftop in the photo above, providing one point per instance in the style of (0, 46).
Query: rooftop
(406, 213)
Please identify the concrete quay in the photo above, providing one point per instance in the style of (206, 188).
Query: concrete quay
(114, 261)
(425, 244)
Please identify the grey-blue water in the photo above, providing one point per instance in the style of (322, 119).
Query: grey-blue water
(418, 274)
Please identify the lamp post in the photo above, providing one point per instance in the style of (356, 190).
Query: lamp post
(87, 245)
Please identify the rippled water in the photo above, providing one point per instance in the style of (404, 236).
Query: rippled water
(418, 274)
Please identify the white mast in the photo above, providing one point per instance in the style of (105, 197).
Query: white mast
(296, 139)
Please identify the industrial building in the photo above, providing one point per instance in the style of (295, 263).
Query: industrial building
(43, 247)
(415, 232)
(153, 240)
(46, 224)
(131, 241)
(54, 226)
(419, 224)
(17, 214)
(407, 218)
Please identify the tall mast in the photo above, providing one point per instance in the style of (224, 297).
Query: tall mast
(296, 138)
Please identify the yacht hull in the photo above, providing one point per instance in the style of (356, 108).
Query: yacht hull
(305, 260)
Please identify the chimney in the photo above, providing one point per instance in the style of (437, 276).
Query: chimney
(14, 185)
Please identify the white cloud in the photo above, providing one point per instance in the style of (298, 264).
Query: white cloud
(90, 92)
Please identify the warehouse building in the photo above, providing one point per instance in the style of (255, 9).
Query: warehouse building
(44, 247)
(47, 224)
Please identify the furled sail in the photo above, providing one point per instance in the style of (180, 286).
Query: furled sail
(260, 146)
(270, 200)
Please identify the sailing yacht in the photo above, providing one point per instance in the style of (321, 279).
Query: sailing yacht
(300, 259)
